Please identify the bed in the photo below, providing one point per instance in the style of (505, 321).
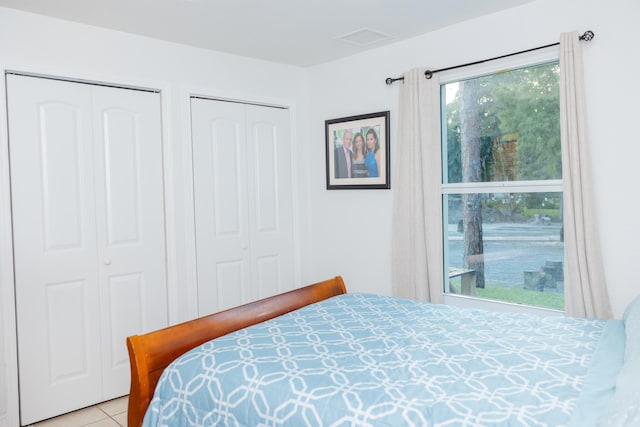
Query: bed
(320, 356)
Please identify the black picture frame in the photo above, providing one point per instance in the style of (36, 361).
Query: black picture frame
(358, 173)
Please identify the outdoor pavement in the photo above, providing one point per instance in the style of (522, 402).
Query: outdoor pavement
(511, 249)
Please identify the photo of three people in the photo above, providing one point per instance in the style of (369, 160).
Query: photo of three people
(357, 153)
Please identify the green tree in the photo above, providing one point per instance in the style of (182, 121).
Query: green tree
(471, 155)
(527, 102)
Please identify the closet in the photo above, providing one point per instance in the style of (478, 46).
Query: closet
(89, 237)
(243, 202)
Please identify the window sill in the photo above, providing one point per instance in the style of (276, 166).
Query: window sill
(465, 301)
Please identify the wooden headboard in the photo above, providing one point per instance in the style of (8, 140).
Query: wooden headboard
(151, 353)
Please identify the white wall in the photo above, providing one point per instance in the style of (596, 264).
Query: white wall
(352, 228)
(37, 44)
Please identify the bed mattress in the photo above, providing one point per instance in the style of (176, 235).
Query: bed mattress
(372, 360)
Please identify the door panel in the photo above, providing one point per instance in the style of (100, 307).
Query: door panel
(232, 278)
(122, 172)
(269, 275)
(67, 333)
(54, 246)
(125, 299)
(60, 158)
(272, 202)
(220, 204)
(130, 211)
(226, 180)
(265, 168)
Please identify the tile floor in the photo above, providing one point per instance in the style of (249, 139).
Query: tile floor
(107, 414)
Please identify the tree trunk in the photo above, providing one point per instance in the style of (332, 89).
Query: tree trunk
(471, 172)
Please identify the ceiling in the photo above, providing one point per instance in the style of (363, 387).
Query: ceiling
(296, 32)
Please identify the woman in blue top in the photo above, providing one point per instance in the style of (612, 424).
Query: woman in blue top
(372, 161)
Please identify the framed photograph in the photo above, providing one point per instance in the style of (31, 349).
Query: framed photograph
(358, 152)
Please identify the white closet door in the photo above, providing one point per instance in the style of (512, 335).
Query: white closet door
(86, 181)
(271, 202)
(220, 197)
(130, 209)
(243, 202)
(54, 226)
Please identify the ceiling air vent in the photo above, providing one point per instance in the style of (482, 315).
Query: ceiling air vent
(364, 37)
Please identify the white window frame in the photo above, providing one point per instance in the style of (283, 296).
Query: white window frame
(528, 59)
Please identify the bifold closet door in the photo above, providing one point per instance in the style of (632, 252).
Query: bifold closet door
(131, 230)
(89, 249)
(243, 202)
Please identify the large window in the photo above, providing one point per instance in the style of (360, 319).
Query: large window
(502, 186)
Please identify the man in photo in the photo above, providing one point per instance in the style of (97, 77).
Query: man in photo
(342, 156)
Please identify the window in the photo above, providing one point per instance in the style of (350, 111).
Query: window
(502, 186)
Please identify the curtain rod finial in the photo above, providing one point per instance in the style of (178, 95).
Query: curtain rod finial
(587, 36)
(390, 81)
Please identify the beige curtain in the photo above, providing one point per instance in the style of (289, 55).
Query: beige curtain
(585, 288)
(417, 206)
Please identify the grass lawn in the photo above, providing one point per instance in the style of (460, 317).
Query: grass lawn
(552, 300)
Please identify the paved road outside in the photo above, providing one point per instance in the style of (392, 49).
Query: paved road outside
(511, 249)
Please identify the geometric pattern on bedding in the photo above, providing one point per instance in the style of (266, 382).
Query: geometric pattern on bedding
(371, 360)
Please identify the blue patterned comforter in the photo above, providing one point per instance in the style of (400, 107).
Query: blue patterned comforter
(371, 360)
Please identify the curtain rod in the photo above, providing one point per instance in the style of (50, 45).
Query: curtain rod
(587, 36)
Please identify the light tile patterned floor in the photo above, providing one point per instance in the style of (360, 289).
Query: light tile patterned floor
(107, 414)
